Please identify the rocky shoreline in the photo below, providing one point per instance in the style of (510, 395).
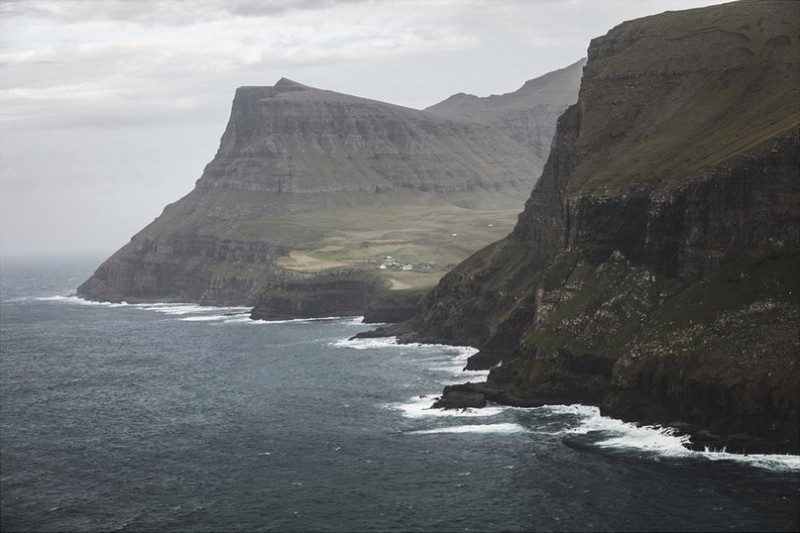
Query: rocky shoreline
(476, 395)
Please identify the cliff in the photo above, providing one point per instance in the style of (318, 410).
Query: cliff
(291, 138)
(315, 195)
(655, 269)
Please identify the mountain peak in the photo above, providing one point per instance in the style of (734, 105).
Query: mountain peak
(286, 83)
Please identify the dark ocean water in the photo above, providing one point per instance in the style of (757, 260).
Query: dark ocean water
(181, 418)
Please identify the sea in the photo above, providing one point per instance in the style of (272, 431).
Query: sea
(177, 417)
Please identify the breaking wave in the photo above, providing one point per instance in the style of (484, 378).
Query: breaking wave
(191, 312)
(505, 428)
(303, 320)
(612, 434)
(420, 407)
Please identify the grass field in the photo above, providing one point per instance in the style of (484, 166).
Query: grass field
(427, 239)
(346, 230)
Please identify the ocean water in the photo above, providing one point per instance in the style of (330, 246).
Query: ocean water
(175, 417)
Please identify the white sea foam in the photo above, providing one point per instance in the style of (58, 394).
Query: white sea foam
(243, 319)
(448, 357)
(505, 428)
(233, 315)
(368, 344)
(297, 320)
(179, 309)
(62, 299)
(420, 407)
(455, 365)
(785, 463)
(72, 299)
(442, 358)
(205, 318)
(460, 354)
(622, 435)
(195, 312)
(662, 441)
(466, 376)
(438, 358)
(191, 312)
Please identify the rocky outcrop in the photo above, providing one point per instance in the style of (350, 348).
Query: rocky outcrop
(393, 307)
(314, 171)
(655, 270)
(315, 296)
(183, 268)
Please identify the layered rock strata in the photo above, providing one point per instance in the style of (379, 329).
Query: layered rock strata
(655, 271)
(291, 138)
(309, 170)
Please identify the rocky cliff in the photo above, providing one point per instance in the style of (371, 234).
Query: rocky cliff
(655, 270)
(316, 193)
(291, 138)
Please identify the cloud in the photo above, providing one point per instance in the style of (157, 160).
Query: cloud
(162, 12)
(57, 59)
(135, 59)
(140, 12)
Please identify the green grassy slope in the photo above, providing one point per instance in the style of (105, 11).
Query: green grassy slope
(743, 74)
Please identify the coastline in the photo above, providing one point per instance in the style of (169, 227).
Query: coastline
(472, 395)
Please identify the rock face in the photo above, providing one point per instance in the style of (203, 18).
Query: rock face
(311, 185)
(655, 271)
(295, 139)
(317, 296)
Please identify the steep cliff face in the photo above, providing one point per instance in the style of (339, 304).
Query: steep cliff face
(295, 139)
(180, 257)
(655, 270)
(318, 295)
(309, 183)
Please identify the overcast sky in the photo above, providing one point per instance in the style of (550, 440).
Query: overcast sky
(109, 110)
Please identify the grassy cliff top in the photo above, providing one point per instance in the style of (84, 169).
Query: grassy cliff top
(666, 97)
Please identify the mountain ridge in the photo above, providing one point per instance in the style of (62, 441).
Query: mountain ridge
(298, 138)
(517, 112)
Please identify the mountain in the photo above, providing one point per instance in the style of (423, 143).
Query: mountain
(318, 201)
(528, 115)
(294, 139)
(655, 270)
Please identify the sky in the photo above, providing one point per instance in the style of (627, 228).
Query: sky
(110, 109)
